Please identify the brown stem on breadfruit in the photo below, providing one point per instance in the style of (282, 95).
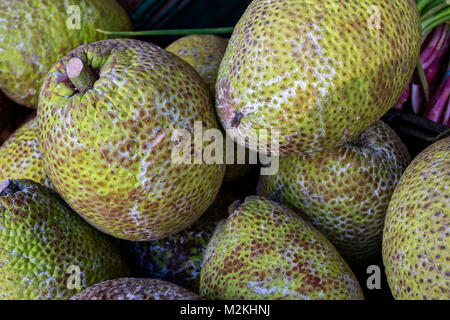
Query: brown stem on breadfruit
(81, 75)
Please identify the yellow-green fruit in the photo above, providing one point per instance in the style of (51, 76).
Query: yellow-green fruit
(135, 289)
(110, 150)
(344, 191)
(20, 157)
(35, 33)
(266, 251)
(46, 249)
(318, 72)
(416, 234)
(204, 53)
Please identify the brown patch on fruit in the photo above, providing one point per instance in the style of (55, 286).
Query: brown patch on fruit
(230, 115)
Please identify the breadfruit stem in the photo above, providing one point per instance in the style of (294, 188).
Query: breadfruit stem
(177, 32)
(81, 75)
(8, 187)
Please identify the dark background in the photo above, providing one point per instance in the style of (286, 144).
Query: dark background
(182, 14)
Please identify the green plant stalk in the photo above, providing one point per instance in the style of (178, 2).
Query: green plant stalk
(434, 10)
(432, 5)
(425, 5)
(430, 26)
(421, 4)
(178, 32)
(442, 16)
(423, 81)
(439, 136)
(434, 13)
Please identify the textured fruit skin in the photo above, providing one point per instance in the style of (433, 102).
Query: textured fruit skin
(344, 191)
(135, 289)
(20, 157)
(108, 152)
(315, 71)
(203, 52)
(178, 258)
(40, 238)
(34, 34)
(266, 251)
(417, 228)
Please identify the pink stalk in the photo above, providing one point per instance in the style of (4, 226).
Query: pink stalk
(432, 47)
(433, 53)
(447, 115)
(417, 97)
(438, 103)
(432, 70)
(432, 56)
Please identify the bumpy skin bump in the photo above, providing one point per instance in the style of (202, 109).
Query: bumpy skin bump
(40, 238)
(108, 151)
(318, 72)
(34, 34)
(178, 258)
(344, 191)
(135, 289)
(416, 234)
(204, 53)
(266, 251)
(20, 157)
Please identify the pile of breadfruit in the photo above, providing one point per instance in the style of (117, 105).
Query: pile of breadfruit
(96, 204)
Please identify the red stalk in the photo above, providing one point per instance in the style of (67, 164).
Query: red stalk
(436, 107)
(447, 115)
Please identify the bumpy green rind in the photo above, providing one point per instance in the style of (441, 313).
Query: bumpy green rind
(20, 157)
(108, 151)
(135, 289)
(416, 234)
(266, 251)
(344, 191)
(41, 238)
(34, 34)
(203, 52)
(178, 258)
(318, 72)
